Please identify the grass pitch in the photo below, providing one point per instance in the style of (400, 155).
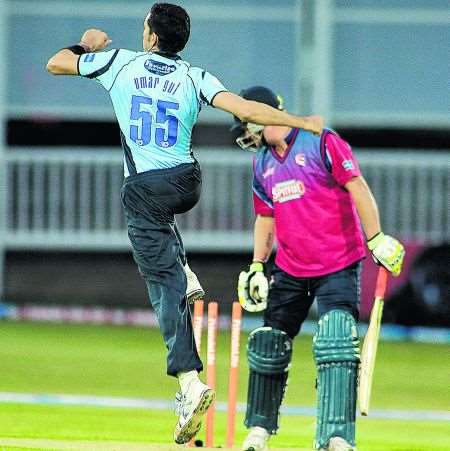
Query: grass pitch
(130, 362)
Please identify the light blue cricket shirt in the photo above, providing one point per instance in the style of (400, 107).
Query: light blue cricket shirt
(156, 99)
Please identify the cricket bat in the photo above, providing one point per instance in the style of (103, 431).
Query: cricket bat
(369, 350)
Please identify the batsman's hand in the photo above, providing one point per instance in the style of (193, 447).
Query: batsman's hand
(253, 288)
(388, 252)
(95, 39)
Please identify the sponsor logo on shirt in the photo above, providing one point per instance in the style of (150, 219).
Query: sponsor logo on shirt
(347, 165)
(89, 57)
(289, 190)
(159, 68)
(268, 172)
(300, 159)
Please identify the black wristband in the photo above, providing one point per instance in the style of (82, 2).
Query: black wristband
(77, 49)
(374, 236)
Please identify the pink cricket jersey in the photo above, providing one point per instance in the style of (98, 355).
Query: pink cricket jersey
(317, 228)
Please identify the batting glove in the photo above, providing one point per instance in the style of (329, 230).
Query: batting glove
(387, 251)
(253, 288)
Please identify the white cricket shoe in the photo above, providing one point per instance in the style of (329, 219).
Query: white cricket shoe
(338, 444)
(194, 290)
(256, 439)
(190, 406)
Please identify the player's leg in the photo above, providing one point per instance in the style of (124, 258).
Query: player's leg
(156, 250)
(194, 396)
(150, 201)
(336, 352)
(269, 354)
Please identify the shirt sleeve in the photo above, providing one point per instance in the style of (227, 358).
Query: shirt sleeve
(104, 66)
(260, 207)
(340, 158)
(262, 203)
(210, 86)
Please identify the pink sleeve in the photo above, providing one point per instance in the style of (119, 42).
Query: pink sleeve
(261, 208)
(343, 163)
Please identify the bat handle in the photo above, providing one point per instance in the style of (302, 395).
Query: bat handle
(381, 285)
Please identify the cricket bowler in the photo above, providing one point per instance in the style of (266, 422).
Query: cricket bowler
(157, 97)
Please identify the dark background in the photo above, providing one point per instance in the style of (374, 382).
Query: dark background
(105, 278)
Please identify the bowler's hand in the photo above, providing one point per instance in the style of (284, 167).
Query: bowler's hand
(314, 124)
(95, 40)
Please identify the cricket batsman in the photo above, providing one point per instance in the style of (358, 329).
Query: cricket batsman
(157, 97)
(310, 196)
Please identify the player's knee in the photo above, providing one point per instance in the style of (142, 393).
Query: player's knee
(269, 351)
(283, 321)
(336, 339)
(344, 305)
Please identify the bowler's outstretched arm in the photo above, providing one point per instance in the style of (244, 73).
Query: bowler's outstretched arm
(260, 113)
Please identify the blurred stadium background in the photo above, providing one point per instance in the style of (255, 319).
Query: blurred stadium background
(378, 71)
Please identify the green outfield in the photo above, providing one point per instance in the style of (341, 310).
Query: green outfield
(130, 362)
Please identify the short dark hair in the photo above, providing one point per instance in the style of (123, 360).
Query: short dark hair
(172, 25)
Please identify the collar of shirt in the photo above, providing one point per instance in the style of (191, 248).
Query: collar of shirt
(172, 56)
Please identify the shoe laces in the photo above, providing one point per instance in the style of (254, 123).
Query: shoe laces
(181, 402)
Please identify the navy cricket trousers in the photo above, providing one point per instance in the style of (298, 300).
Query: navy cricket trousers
(290, 298)
(151, 199)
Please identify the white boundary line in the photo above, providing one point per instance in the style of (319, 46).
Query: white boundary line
(163, 404)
